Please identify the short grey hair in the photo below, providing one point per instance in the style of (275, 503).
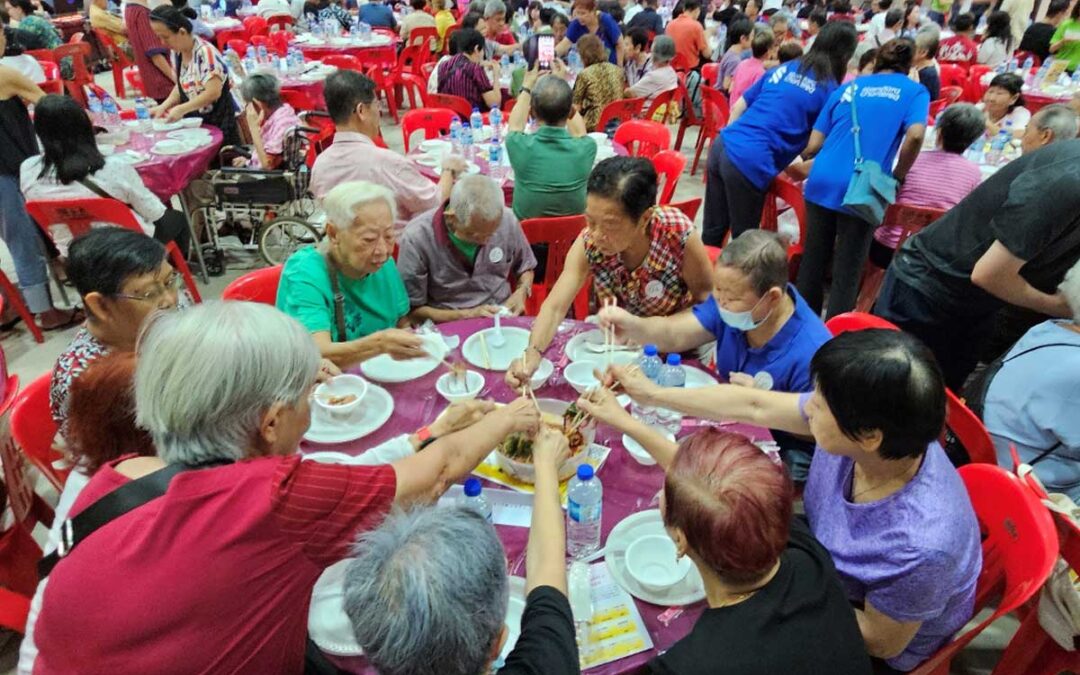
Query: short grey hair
(1060, 119)
(958, 126)
(760, 256)
(494, 8)
(663, 49)
(477, 196)
(261, 87)
(341, 203)
(928, 40)
(206, 375)
(1070, 289)
(427, 592)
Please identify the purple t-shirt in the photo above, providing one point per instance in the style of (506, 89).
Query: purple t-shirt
(914, 555)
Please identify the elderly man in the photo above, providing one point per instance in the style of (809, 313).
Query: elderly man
(457, 259)
(1053, 123)
(765, 332)
(551, 167)
(499, 40)
(347, 291)
(445, 572)
(351, 102)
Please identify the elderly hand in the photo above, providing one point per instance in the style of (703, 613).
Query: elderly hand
(603, 405)
(522, 415)
(550, 448)
(239, 161)
(531, 76)
(558, 69)
(460, 415)
(400, 344)
(741, 379)
(522, 369)
(455, 164)
(632, 380)
(516, 302)
(624, 323)
(483, 312)
(254, 117)
(327, 371)
(157, 111)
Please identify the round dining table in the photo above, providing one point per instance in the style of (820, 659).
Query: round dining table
(379, 49)
(168, 175)
(629, 487)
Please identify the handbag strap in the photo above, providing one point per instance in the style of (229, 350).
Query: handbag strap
(339, 299)
(92, 186)
(855, 124)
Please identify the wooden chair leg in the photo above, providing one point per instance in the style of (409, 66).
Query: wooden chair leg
(16, 300)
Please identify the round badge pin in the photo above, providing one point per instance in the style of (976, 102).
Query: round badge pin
(496, 255)
(654, 289)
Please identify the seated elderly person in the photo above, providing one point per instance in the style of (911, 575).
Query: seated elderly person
(238, 502)
(599, 83)
(444, 570)
(463, 75)
(1031, 393)
(882, 497)
(497, 35)
(457, 260)
(552, 165)
(762, 327)
(122, 277)
(660, 77)
(1003, 104)
(347, 290)
(351, 102)
(1057, 122)
(269, 120)
(646, 258)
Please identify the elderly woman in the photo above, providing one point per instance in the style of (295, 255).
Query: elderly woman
(599, 84)
(899, 108)
(347, 291)
(25, 16)
(1003, 104)
(589, 20)
(760, 323)
(660, 77)
(202, 89)
(882, 496)
(463, 74)
(647, 258)
(1031, 392)
(269, 120)
(444, 570)
(939, 178)
(237, 502)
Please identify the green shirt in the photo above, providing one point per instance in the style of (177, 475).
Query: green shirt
(551, 168)
(1070, 51)
(468, 248)
(373, 303)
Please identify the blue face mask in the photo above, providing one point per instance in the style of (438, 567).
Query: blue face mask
(743, 321)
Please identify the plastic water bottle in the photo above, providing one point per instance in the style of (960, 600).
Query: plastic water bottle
(495, 116)
(467, 142)
(250, 58)
(495, 167)
(476, 120)
(1040, 76)
(142, 113)
(997, 147)
(263, 56)
(474, 499)
(575, 61)
(584, 510)
(671, 375)
(110, 112)
(1014, 67)
(650, 365)
(455, 135)
(94, 105)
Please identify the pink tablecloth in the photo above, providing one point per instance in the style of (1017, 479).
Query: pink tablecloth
(628, 486)
(168, 175)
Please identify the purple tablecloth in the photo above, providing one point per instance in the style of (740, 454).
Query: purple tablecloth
(629, 487)
(168, 175)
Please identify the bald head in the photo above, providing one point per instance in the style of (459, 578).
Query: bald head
(552, 101)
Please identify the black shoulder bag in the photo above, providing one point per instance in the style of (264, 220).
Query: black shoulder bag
(339, 300)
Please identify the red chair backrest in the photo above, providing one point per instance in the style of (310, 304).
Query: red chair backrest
(459, 105)
(622, 110)
(849, 321)
(969, 430)
(298, 99)
(1022, 55)
(974, 89)
(420, 35)
(690, 207)
(282, 21)
(135, 80)
(662, 99)
(344, 61)
(559, 234)
(910, 218)
(260, 41)
(78, 53)
(51, 70)
(952, 74)
(411, 59)
(682, 94)
(280, 40)
(42, 54)
(783, 188)
(221, 38)
(33, 429)
(719, 102)
(434, 122)
(1019, 547)
(710, 73)
(449, 34)
(415, 86)
(669, 165)
(949, 95)
(255, 25)
(258, 286)
(643, 138)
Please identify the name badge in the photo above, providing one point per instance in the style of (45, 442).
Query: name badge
(495, 255)
(654, 289)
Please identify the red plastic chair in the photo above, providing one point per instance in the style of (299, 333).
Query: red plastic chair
(662, 99)
(260, 41)
(1022, 55)
(949, 95)
(34, 430)
(643, 138)
(78, 53)
(41, 54)
(52, 84)
(413, 86)
(12, 295)
(255, 25)
(433, 121)
(79, 214)
(280, 40)
(969, 430)
(323, 138)
(715, 113)
(258, 286)
(690, 207)
(974, 88)
(134, 80)
(623, 110)
(449, 34)
(849, 321)
(457, 104)
(420, 36)
(221, 38)
(239, 46)
(911, 219)
(783, 188)
(689, 115)
(344, 61)
(279, 23)
(1019, 550)
(298, 99)
(710, 74)
(952, 74)
(669, 165)
(117, 58)
(559, 234)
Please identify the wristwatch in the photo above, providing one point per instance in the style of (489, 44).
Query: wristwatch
(425, 437)
(525, 90)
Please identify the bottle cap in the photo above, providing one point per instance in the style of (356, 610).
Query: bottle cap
(584, 472)
(472, 487)
(650, 350)
(476, 108)
(674, 359)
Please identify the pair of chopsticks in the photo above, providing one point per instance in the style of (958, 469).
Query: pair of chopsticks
(609, 334)
(484, 351)
(583, 416)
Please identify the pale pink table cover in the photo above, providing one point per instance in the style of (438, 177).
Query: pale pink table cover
(168, 175)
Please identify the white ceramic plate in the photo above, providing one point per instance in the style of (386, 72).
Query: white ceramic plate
(517, 339)
(434, 146)
(688, 591)
(696, 377)
(171, 147)
(191, 136)
(385, 369)
(472, 168)
(377, 407)
(576, 351)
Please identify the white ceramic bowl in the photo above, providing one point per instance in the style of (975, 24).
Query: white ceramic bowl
(435, 146)
(191, 122)
(526, 472)
(542, 374)
(449, 386)
(342, 385)
(170, 146)
(580, 375)
(652, 563)
(638, 452)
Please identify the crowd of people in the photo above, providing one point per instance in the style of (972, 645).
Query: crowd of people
(878, 574)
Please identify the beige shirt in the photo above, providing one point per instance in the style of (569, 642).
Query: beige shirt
(415, 19)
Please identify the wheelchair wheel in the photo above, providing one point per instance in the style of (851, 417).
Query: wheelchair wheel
(283, 236)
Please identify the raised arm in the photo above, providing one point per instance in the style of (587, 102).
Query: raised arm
(545, 561)
(604, 406)
(677, 333)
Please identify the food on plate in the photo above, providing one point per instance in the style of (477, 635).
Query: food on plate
(343, 399)
(518, 446)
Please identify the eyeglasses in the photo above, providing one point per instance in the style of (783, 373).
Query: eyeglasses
(172, 283)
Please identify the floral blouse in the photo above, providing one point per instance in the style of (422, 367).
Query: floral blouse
(205, 63)
(83, 350)
(43, 30)
(597, 86)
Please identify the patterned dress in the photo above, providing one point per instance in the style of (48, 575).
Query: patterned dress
(656, 287)
(43, 30)
(83, 350)
(597, 86)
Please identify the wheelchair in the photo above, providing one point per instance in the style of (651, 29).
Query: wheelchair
(271, 212)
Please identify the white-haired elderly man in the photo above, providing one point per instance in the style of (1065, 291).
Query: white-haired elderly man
(215, 573)
(1057, 122)
(457, 260)
(347, 291)
(443, 571)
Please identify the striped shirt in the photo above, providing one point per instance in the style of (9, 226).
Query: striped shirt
(145, 45)
(461, 77)
(937, 180)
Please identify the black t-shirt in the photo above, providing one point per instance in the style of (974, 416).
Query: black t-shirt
(1031, 205)
(649, 20)
(800, 623)
(547, 645)
(930, 79)
(1037, 40)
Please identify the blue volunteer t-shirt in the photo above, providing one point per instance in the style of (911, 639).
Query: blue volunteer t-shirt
(781, 109)
(888, 103)
(608, 33)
